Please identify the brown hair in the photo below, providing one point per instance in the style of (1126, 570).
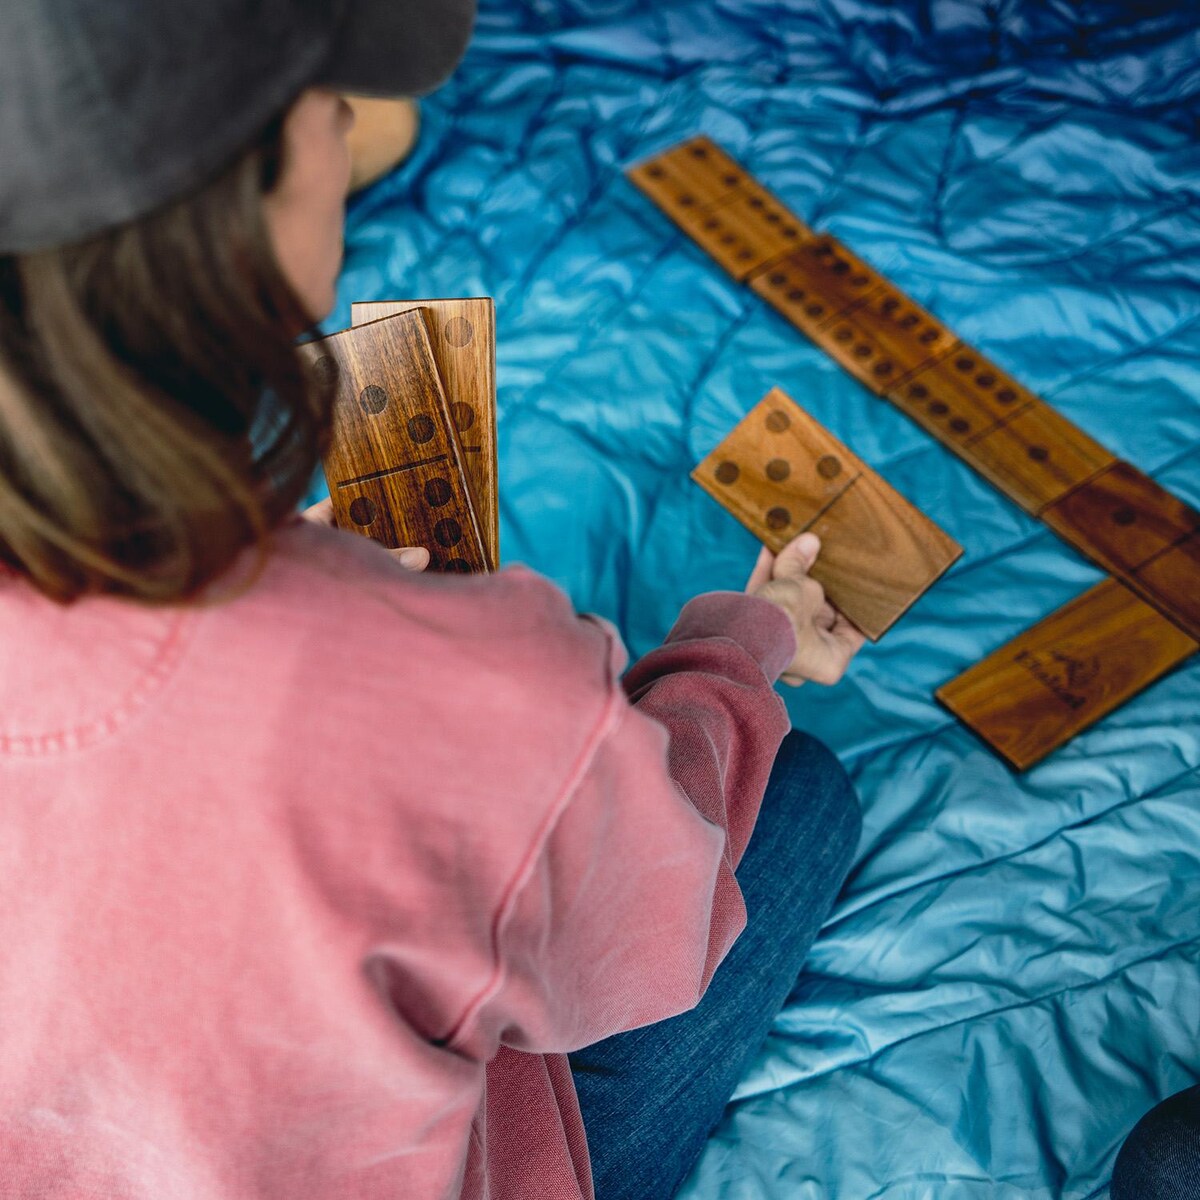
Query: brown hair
(155, 417)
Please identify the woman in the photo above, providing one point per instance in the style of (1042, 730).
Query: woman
(314, 868)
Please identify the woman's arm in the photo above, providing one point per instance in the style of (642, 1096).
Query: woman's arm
(630, 903)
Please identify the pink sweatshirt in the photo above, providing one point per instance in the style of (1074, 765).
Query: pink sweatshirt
(305, 895)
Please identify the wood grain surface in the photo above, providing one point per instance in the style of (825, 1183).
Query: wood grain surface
(781, 473)
(1122, 519)
(851, 312)
(721, 207)
(1171, 580)
(695, 173)
(960, 398)
(1037, 457)
(394, 468)
(462, 335)
(1066, 673)
(881, 336)
(879, 554)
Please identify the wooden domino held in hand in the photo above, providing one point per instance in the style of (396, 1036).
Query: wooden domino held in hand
(781, 474)
(394, 467)
(462, 336)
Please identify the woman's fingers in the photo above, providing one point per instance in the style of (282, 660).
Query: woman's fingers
(842, 642)
(762, 570)
(797, 557)
(412, 558)
(320, 513)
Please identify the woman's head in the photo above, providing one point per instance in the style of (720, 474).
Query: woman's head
(154, 415)
(170, 221)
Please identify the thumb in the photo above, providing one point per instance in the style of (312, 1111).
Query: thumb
(415, 558)
(797, 557)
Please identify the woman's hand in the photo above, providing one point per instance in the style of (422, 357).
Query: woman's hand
(825, 640)
(415, 558)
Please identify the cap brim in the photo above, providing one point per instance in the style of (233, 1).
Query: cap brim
(398, 47)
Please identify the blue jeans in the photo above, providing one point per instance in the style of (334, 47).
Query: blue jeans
(1161, 1157)
(651, 1097)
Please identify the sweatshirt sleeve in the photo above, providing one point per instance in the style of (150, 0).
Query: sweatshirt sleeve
(630, 902)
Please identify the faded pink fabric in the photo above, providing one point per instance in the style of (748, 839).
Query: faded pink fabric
(305, 894)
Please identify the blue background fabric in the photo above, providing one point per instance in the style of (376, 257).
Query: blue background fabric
(1013, 973)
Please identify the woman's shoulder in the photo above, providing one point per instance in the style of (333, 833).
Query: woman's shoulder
(346, 610)
(356, 576)
(460, 701)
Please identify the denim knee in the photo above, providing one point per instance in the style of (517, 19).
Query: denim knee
(1161, 1157)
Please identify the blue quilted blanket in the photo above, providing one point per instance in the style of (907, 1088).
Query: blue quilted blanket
(1013, 973)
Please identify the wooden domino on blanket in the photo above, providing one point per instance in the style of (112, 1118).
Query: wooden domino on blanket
(713, 200)
(900, 351)
(1141, 533)
(781, 473)
(846, 307)
(462, 335)
(1065, 673)
(394, 467)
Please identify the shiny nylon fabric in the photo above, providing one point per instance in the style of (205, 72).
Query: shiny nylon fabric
(1013, 973)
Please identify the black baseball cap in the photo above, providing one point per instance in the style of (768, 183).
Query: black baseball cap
(113, 107)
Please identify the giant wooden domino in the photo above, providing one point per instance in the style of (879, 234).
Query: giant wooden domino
(394, 467)
(781, 473)
(1105, 508)
(462, 336)
(1091, 656)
